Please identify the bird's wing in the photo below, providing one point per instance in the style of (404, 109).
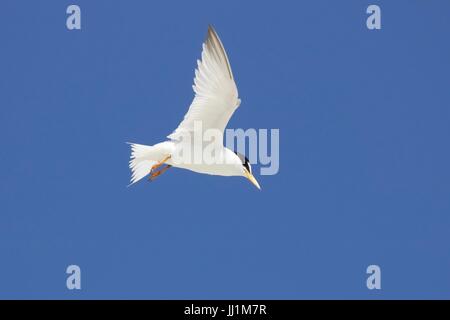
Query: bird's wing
(216, 95)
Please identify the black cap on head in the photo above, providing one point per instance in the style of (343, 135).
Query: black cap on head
(245, 161)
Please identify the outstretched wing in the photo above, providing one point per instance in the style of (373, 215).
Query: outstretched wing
(216, 95)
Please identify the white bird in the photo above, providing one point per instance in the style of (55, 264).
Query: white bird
(216, 99)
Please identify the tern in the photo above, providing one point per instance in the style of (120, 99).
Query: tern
(216, 99)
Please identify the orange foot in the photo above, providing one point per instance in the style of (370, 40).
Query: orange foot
(156, 174)
(159, 164)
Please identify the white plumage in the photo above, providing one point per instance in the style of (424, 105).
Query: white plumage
(216, 99)
(216, 95)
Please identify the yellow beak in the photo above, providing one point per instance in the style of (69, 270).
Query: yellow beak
(252, 179)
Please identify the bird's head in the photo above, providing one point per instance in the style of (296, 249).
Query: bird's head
(247, 169)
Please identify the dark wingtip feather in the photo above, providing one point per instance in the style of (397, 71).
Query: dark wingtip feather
(213, 40)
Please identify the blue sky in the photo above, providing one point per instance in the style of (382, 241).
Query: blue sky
(364, 159)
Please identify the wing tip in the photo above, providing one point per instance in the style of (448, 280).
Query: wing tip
(211, 33)
(213, 41)
(211, 29)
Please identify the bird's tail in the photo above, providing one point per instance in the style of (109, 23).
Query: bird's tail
(141, 161)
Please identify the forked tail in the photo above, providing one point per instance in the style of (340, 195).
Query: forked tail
(141, 161)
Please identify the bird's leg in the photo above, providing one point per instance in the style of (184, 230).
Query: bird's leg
(159, 164)
(158, 173)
